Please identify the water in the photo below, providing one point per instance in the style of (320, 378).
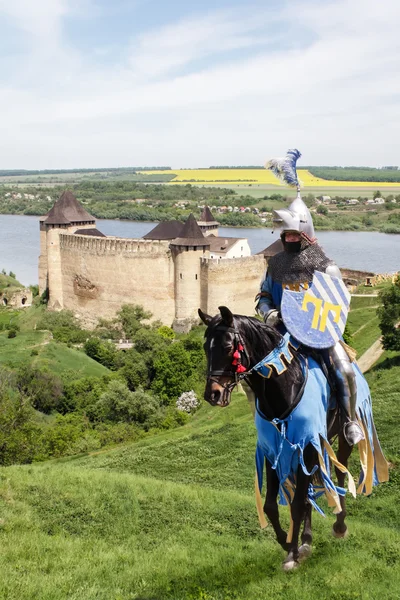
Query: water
(366, 251)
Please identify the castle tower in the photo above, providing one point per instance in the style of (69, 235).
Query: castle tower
(207, 223)
(67, 215)
(187, 252)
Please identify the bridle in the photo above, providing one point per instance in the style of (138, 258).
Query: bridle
(239, 370)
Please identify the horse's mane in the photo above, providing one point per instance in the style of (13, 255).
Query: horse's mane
(261, 339)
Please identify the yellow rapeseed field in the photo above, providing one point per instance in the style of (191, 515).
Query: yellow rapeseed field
(255, 177)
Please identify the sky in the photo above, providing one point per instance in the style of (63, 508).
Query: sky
(110, 83)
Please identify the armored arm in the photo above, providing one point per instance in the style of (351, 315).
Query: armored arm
(265, 306)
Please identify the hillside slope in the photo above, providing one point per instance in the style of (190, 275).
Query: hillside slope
(173, 516)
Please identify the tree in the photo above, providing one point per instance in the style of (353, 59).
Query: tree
(119, 404)
(389, 315)
(104, 353)
(131, 317)
(377, 194)
(135, 370)
(322, 210)
(173, 369)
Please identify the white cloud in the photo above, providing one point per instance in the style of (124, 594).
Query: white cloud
(326, 82)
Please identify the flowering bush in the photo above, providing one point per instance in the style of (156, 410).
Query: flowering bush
(187, 402)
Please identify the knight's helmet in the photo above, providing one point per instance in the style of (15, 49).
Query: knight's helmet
(296, 217)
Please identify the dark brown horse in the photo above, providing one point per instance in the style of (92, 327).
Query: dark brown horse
(234, 344)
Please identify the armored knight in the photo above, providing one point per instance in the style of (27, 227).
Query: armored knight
(293, 268)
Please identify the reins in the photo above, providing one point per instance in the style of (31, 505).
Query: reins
(240, 353)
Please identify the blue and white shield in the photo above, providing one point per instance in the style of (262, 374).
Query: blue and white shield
(317, 316)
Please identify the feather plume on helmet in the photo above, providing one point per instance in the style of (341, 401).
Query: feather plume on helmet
(296, 217)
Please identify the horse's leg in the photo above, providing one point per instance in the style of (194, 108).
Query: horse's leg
(300, 510)
(306, 536)
(271, 505)
(339, 527)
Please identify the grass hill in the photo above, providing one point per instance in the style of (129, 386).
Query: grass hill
(9, 282)
(37, 348)
(173, 517)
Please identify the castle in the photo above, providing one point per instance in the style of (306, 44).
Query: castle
(175, 269)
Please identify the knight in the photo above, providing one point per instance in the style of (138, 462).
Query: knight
(293, 268)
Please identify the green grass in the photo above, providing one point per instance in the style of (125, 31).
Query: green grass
(365, 337)
(363, 322)
(37, 348)
(173, 517)
(26, 318)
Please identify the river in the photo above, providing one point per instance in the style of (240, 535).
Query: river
(365, 251)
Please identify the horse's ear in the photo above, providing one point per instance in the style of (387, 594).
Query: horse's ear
(204, 317)
(226, 315)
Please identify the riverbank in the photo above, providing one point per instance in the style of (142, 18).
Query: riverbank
(129, 201)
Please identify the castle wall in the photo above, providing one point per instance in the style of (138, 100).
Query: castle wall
(99, 275)
(233, 283)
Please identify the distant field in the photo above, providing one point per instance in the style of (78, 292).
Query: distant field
(261, 177)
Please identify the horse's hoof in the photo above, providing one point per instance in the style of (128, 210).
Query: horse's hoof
(340, 534)
(290, 565)
(305, 551)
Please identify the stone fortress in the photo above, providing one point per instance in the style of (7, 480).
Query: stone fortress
(172, 271)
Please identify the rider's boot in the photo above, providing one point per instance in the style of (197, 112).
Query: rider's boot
(347, 394)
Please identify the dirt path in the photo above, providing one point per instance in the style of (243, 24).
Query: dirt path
(364, 295)
(370, 356)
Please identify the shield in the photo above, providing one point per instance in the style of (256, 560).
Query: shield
(317, 316)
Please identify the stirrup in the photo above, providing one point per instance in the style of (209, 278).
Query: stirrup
(352, 433)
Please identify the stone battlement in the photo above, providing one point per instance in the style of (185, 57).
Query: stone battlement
(236, 262)
(111, 246)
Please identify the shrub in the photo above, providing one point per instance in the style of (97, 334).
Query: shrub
(166, 332)
(12, 333)
(18, 432)
(389, 316)
(64, 326)
(43, 388)
(119, 404)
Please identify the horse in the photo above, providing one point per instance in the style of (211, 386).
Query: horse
(235, 347)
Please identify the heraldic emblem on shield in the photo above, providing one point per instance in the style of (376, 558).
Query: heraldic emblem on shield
(317, 316)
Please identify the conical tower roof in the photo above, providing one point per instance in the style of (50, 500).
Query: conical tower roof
(206, 217)
(191, 234)
(67, 210)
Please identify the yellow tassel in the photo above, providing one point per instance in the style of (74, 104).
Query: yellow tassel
(290, 532)
(259, 504)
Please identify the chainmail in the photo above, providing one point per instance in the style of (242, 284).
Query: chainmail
(286, 267)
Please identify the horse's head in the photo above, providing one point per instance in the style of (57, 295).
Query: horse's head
(226, 354)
